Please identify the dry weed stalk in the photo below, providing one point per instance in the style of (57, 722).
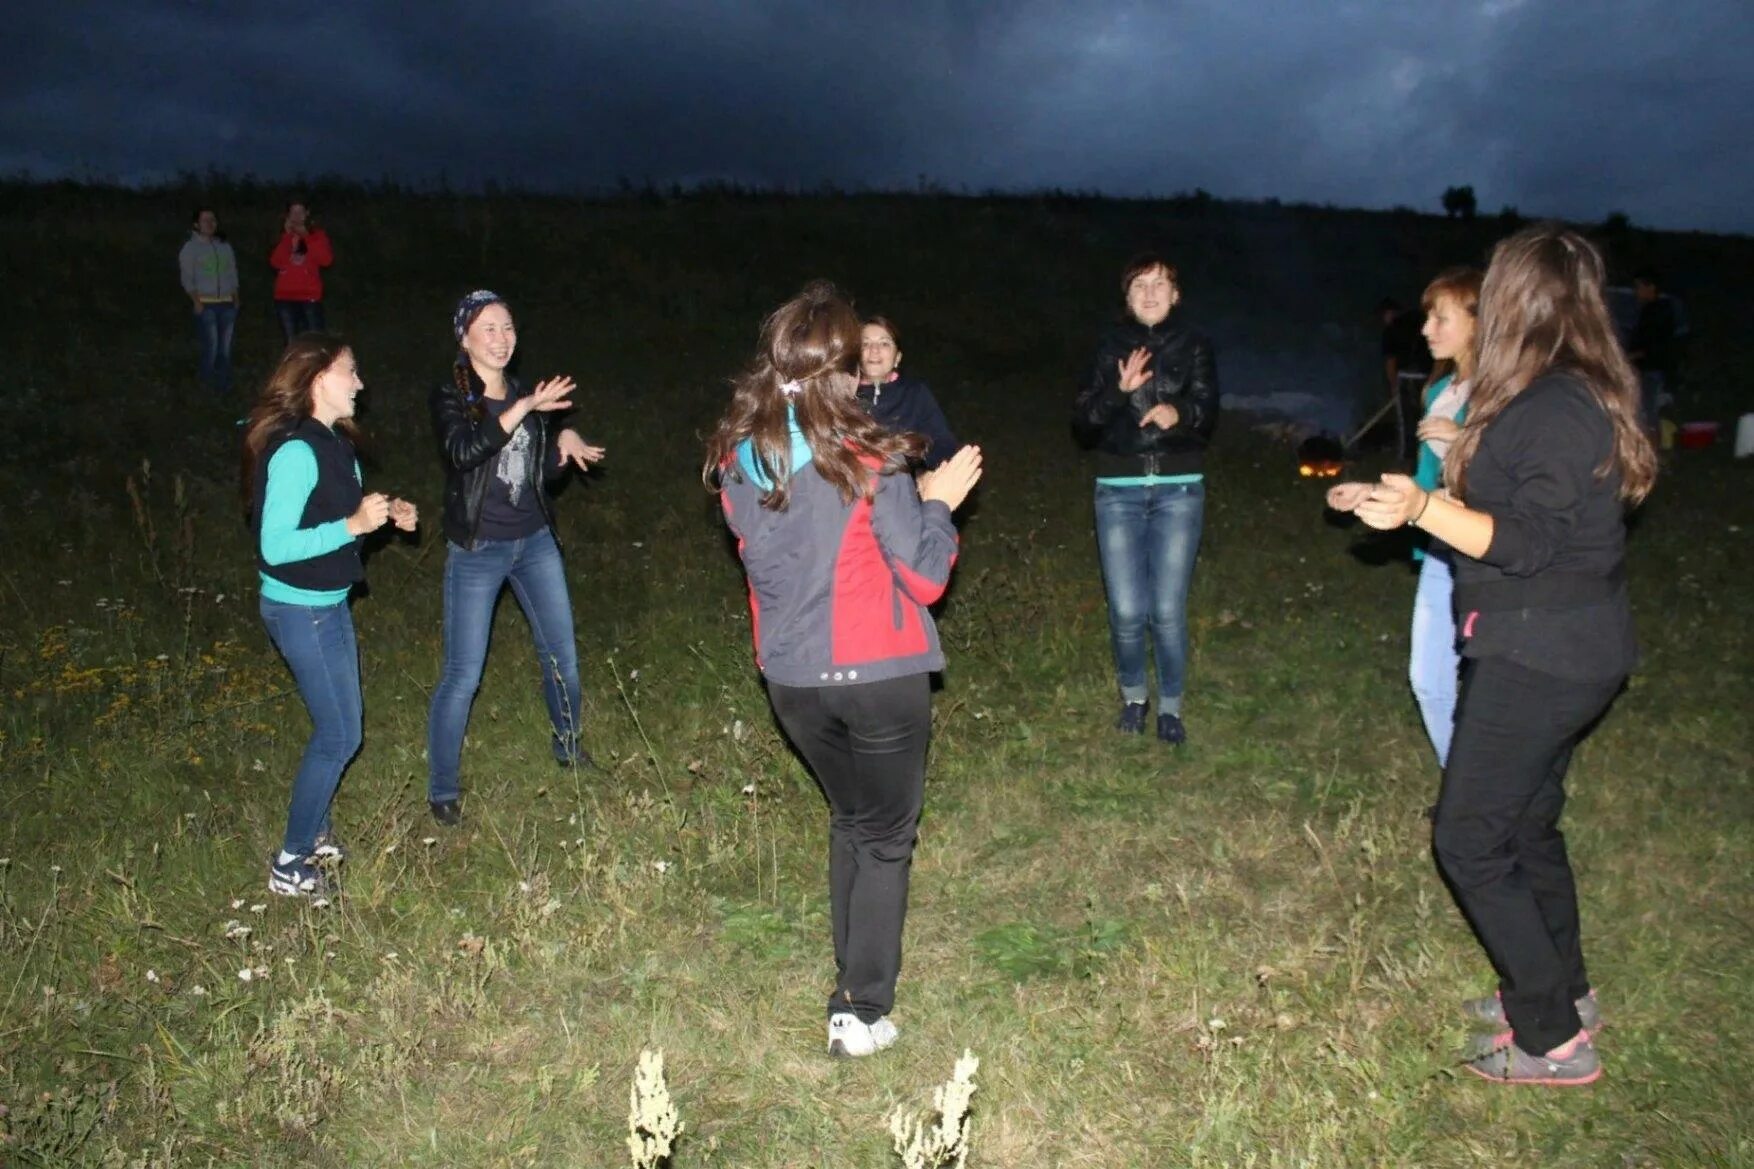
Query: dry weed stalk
(653, 1124)
(946, 1143)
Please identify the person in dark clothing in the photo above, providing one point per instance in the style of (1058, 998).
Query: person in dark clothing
(900, 403)
(309, 516)
(499, 528)
(1148, 407)
(845, 552)
(1537, 484)
(1406, 364)
(1652, 344)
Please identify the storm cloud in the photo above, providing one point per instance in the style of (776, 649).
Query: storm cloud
(1556, 108)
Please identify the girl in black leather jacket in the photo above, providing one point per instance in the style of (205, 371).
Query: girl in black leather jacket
(1148, 407)
(499, 458)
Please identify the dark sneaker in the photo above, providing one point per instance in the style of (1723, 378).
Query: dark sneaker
(447, 812)
(1571, 1064)
(1132, 720)
(848, 1038)
(1489, 1011)
(580, 759)
(1170, 729)
(296, 878)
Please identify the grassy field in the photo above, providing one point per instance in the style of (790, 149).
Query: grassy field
(1236, 954)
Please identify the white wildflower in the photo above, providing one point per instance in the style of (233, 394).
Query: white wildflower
(198, 991)
(653, 1124)
(944, 1144)
(258, 765)
(236, 930)
(429, 841)
(661, 866)
(237, 902)
(246, 975)
(748, 789)
(737, 730)
(152, 976)
(319, 903)
(259, 908)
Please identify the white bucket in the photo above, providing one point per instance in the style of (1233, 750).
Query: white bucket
(1745, 436)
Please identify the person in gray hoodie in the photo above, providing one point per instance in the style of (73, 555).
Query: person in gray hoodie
(209, 271)
(845, 553)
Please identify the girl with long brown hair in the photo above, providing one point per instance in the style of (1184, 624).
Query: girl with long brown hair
(309, 515)
(1452, 304)
(843, 554)
(1537, 484)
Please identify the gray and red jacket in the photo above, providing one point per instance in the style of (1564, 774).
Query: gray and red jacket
(838, 592)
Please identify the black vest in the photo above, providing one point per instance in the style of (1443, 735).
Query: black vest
(335, 497)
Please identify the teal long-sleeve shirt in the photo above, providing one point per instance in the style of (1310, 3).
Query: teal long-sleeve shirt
(292, 476)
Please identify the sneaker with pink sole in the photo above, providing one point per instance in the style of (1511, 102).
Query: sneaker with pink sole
(1571, 1064)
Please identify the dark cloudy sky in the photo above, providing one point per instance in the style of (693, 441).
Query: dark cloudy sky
(1565, 107)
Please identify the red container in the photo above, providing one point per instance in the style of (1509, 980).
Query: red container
(1696, 436)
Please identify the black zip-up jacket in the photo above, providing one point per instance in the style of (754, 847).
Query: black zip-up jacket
(907, 404)
(1183, 374)
(469, 441)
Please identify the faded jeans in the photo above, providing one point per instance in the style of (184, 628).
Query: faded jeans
(1147, 538)
(318, 644)
(1434, 665)
(473, 580)
(214, 326)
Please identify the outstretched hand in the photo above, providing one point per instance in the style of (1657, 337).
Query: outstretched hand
(576, 450)
(951, 481)
(553, 394)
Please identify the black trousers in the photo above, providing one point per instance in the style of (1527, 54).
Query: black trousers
(1497, 837)
(866, 746)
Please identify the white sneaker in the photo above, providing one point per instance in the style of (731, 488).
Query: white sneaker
(848, 1038)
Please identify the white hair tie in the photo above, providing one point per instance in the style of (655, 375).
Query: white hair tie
(791, 389)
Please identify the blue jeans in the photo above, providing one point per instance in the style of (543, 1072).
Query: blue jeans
(214, 326)
(299, 316)
(318, 644)
(1147, 538)
(1434, 666)
(473, 579)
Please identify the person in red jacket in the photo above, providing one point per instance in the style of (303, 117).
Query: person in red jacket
(299, 259)
(844, 553)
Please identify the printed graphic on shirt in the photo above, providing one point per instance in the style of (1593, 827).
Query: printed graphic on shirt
(513, 468)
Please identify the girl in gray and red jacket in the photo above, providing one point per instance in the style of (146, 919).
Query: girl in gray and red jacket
(843, 553)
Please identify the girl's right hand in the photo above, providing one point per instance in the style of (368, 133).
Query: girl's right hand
(1438, 430)
(1135, 370)
(1347, 496)
(953, 479)
(373, 513)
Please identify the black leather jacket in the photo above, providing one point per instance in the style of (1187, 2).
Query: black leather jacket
(1183, 374)
(469, 441)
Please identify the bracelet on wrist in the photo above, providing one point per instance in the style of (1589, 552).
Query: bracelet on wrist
(1414, 520)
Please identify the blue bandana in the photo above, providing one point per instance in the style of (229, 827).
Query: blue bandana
(469, 306)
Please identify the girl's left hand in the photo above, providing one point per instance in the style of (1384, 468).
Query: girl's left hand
(404, 515)
(576, 450)
(1163, 416)
(1392, 502)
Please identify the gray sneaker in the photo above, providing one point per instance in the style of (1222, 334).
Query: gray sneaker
(1571, 1065)
(1488, 1011)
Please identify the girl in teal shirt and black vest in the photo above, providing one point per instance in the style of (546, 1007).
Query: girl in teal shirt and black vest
(309, 515)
